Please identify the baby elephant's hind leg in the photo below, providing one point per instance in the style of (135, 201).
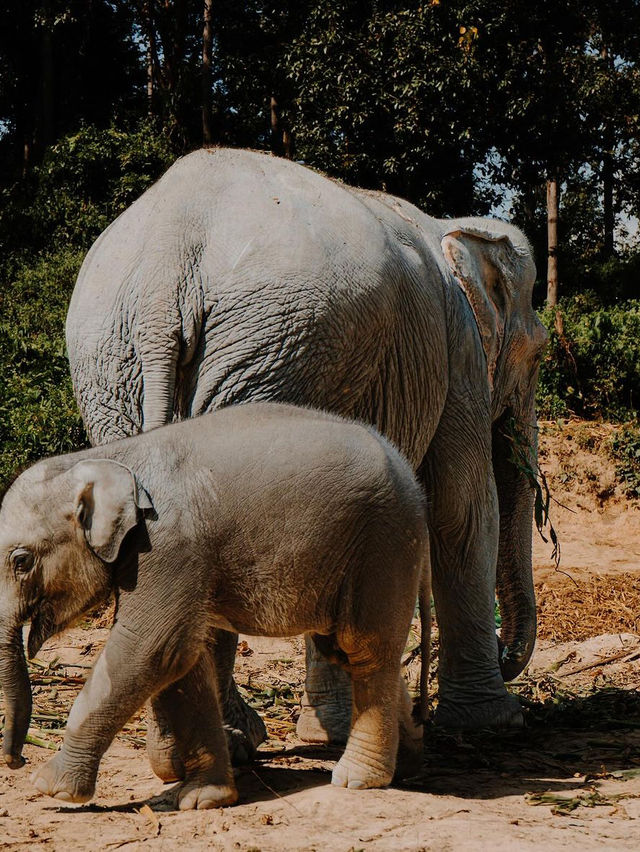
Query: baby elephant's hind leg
(162, 749)
(189, 717)
(369, 759)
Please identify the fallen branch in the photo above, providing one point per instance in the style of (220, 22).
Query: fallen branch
(604, 662)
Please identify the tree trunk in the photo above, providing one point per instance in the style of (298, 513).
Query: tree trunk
(47, 78)
(151, 50)
(281, 136)
(277, 147)
(552, 239)
(207, 51)
(608, 170)
(26, 154)
(608, 247)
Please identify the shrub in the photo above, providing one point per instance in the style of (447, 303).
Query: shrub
(46, 224)
(38, 414)
(84, 182)
(625, 449)
(591, 368)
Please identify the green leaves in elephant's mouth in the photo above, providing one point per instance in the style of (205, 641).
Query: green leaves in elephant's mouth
(523, 457)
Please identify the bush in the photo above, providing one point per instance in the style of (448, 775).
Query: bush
(84, 182)
(591, 368)
(625, 449)
(38, 414)
(46, 224)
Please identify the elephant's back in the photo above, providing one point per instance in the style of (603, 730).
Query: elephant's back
(229, 211)
(272, 464)
(285, 286)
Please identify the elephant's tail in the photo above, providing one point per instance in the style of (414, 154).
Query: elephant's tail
(424, 605)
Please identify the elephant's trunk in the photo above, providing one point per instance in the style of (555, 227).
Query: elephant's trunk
(14, 680)
(514, 569)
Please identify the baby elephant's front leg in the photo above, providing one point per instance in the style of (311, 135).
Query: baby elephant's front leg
(190, 710)
(121, 680)
(129, 670)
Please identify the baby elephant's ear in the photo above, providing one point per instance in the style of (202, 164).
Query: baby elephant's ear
(107, 501)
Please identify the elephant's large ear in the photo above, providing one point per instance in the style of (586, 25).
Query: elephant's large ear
(107, 501)
(487, 266)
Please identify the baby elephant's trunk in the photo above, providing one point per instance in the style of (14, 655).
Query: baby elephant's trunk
(14, 680)
(424, 605)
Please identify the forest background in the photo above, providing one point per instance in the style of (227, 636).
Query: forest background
(529, 111)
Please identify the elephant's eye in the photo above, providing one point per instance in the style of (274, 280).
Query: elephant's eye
(21, 560)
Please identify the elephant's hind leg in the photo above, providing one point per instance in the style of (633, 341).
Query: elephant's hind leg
(369, 760)
(325, 716)
(189, 711)
(244, 728)
(162, 749)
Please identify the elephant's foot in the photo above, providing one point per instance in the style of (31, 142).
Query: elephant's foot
(56, 780)
(499, 713)
(324, 719)
(359, 772)
(244, 728)
(200, 795)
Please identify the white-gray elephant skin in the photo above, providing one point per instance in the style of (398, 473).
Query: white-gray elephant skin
(266, 519)
(240, 277)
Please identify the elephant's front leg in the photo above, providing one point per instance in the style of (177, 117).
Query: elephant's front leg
(325, 716)
(125, 675)
(463, 521)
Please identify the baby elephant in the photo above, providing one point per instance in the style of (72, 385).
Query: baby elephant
(262, 519)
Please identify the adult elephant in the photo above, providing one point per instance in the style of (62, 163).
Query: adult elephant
(240, 277)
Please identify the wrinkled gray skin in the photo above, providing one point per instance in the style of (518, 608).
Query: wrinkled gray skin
(265, 519)
(242, 277)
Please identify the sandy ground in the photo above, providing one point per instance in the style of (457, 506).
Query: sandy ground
(570, 779)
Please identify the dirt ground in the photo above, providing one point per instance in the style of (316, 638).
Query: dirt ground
(569, 780)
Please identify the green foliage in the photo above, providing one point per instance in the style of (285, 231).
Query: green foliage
(625, 449)
(84, 182)
(592, 367)
(382, 98)
(38, 414)
(46, 225)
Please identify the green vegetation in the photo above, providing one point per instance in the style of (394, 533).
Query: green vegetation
(38, 415)
(625, 449)
(46, 224)
(592, 365)
(457, 105)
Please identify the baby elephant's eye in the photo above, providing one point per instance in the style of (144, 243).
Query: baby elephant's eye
(22, 560)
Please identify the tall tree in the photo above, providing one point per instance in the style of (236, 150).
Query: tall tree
(207, 57)
(382, 97)
(53, 56)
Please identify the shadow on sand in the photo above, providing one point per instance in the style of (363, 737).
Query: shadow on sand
(565, 743)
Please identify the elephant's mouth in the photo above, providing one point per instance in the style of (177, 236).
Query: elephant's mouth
(43, 626)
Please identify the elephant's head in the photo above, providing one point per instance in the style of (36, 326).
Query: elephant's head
(61, 528)
(493, 263)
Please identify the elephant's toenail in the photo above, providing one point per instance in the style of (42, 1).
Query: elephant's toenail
(62, 794)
